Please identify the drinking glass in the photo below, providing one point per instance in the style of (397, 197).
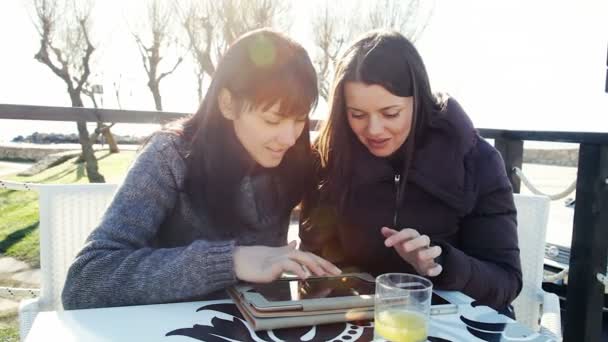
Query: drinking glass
(402, 306)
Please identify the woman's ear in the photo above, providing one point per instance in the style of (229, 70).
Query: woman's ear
(226, 104)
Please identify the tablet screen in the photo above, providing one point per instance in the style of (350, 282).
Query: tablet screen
(313, 288)
(298, 289)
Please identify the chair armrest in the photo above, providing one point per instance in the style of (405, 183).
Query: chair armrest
(28, 310)
(550, 319)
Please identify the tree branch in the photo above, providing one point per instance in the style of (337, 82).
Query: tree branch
(43, 56)
(87, 56)
(164, 74)
(143, 50)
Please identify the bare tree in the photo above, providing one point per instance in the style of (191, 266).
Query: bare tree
(330, 27)
(102, 128)
(159, 37)
(240, 16)
(198, 22)
(117, 91)
(66, 48)
(211, 26)
(408, 17)
(333, 26)
(339, 21)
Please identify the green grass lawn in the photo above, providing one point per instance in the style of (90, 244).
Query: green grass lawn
(19, 209)
(9, 327)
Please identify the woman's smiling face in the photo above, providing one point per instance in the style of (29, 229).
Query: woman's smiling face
(268, 134)
(379, 119)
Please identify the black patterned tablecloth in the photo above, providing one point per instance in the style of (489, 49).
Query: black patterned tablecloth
(472, 323)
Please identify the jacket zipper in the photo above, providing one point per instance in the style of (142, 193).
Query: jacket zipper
(397, 200)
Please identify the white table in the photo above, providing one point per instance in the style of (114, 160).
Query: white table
(208, 320)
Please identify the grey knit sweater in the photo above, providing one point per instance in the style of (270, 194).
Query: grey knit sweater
(153, 245)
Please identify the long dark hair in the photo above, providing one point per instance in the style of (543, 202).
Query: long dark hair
(384, 58)
(260, 69)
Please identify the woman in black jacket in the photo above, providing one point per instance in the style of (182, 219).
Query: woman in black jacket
(405, 182)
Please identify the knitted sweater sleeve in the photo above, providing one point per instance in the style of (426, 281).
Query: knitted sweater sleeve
(118, 265)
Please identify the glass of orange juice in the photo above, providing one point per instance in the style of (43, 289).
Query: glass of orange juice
(402, 306)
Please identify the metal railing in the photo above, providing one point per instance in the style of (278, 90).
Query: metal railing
(589, 248)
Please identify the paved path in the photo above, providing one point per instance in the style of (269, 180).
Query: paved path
(12, 167)
(15, 273)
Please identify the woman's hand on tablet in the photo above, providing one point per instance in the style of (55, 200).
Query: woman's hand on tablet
(414, 249)
(261, 264)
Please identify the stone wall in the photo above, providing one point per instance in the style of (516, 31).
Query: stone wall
(35, 152)
(31, 152)
(563, 157)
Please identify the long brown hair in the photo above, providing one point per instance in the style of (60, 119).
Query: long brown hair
(259, 69)
(384, 58)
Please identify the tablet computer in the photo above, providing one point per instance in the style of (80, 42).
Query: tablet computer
(314, 288)
(346, 291)
(355, 290)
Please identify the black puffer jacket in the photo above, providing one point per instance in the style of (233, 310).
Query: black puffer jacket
(458, 194)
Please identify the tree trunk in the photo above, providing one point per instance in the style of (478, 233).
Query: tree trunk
(110, 140)
(88, 155)
(87, 147)
(107, 134)
(200, 87)
(155, 89)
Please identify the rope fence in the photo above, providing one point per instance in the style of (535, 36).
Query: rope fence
(554, 197)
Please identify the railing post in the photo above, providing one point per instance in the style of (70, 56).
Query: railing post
(512, 152)
(589, 251)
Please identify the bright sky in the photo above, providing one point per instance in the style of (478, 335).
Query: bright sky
(522, 64)
(518, 64)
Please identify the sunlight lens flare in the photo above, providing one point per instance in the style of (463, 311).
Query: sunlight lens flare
(262, 52)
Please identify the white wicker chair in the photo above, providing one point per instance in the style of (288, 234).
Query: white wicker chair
(534, 307)
(68, 213)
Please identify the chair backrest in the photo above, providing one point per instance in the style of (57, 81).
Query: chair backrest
(68, 213)
(532, 218)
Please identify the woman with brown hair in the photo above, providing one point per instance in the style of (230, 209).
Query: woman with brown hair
(207, 202)
(405, 182)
